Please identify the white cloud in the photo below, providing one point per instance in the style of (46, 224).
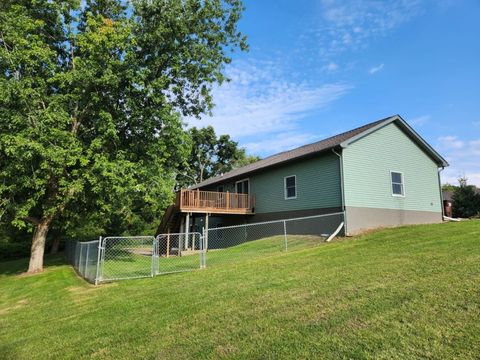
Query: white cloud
(452, 174)
(280, 142)
(260, 100)
(450, 142)
(420, 120)
(351, 24)
(474, 179)
(331, 67)
(475, 147)
(375, 69)
(462, 156)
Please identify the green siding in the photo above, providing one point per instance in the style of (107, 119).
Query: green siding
(367, 164)
(318, 185)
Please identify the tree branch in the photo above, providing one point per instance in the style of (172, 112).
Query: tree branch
(32, 220)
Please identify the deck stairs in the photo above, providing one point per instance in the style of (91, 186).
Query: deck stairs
(170, 222)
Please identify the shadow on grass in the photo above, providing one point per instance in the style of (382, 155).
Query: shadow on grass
(16, 267)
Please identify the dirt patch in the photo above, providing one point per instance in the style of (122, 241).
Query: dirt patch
(18, 305)
(81, 290)
(225, 350)
(27, 274)
(88, 289)
(140, 251)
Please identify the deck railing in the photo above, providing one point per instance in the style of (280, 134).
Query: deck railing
(215, 202)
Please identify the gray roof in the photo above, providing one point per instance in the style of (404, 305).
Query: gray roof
(338, 141)
(447, 195)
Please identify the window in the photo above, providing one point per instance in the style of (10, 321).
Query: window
(242, 186)
(290, 187)
(398, 188)
(220, 188)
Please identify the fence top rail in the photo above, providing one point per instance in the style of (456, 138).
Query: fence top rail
(129, 237)
(85, 242)
(184, 233)
(222, 193)
(277, 221)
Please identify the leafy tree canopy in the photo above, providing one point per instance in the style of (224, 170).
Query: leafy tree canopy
(466, 200)
(211, 156)
(448, 187)
(90, 100)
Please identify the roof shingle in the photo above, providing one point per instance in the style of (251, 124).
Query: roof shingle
(286, 156)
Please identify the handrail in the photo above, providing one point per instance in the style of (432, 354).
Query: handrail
(212, 200)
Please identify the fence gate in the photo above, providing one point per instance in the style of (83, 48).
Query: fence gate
(126, 257)
(179, 252)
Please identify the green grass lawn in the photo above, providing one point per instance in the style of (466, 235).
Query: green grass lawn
(132, 261)
(406, 293)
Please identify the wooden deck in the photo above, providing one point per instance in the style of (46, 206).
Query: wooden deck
(197, 201)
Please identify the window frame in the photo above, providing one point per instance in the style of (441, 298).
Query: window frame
(285, 190)
(402, 184)
(240, 181)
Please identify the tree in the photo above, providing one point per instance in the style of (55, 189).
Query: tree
(211, 156)
(466, 200)
(246, 160)
(448, 187)
(90, 102)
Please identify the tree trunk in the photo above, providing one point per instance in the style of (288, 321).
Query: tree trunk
(55, 245)
(38, 246)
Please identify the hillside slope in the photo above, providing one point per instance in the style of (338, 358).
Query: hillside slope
(411, 292)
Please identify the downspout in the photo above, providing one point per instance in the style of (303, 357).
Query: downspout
(342, 189)
(441, 192)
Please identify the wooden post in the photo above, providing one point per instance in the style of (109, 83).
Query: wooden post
(228, 200)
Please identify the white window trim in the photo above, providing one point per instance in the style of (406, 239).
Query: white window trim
(285, 187)
(403, 183)
(239, 181)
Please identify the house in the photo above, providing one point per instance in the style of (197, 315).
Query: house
(448, 203)
(378, 175)
(449, 200)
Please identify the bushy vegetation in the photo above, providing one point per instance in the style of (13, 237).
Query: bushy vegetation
(92, 95)
(466, 199)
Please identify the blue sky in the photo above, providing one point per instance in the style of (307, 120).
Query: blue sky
(319, 67)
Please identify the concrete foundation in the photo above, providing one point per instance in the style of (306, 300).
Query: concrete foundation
(360, 219)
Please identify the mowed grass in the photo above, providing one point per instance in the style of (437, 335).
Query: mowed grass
(405, 293)
(129, 261)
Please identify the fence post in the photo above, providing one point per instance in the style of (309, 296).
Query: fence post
(80, 262)
(168, 242)
(97, 277)
(155, 250)
(203, 260)
(86, 261)
(285, 234)
(205, 233)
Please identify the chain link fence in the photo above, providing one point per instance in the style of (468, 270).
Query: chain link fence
(83, 256)
(179, 252)
(126, 257)
(129, 257)
(243, 242)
